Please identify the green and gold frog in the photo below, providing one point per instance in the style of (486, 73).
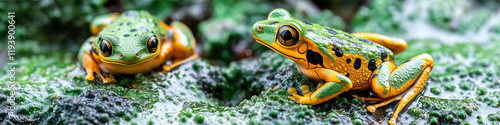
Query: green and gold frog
(341, 62)
(134, 42)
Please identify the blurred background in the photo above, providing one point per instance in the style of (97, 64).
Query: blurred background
(222, 26)
(230, 83)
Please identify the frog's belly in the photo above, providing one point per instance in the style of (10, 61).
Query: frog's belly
(360, 78)
(133, 69)
(361, 83)
(354, 67)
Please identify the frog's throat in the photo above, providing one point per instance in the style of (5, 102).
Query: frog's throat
(276, 50)
(129, 63)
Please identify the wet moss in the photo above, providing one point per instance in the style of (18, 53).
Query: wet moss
(436, 90)
(449, 118)
(465, 85)
(433, 121)
(357, 122)
(434, 113)
(273, 113)
(415, 111)
(494, 116)
(481, 91)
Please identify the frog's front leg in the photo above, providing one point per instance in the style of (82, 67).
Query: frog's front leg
(403, 82)
(396, 45)
(183, 45)
(87, 56)
(92, 67)
(334, 84)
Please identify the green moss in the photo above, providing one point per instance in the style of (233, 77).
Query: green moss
(480, 121)
(434, 113)
(481, 91)
(116, 121)
(104, 118)
(449, 117)
(273, 113)
(433, 121)
(355, 101)
(465, 85)
(414, 111)
(199, 119)
(79, 119)
(300, 115)
(494, 116)
(304, 107)
(127, 118)
(357, 122)
(462, 115)
(188, 114)
(436, 90)
(449, 87)
(183, 119)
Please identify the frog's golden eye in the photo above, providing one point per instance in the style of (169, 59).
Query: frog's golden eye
(287, 35)
(152, 44)
(106, 48)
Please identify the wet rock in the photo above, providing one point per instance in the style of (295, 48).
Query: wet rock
(90, 107)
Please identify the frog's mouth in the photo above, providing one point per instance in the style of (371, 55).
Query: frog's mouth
(276, 50)
(129, 63)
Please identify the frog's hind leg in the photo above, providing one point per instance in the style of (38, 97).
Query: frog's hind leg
(384, 102)
(396, 45)
(100, 22)
(178, 62)
(183, 45)
(367, 98)
(335, 84)
(403, 82)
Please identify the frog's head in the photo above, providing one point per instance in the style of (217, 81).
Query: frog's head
(282, 33)
(129, 41)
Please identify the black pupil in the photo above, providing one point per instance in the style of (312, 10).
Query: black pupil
(105, 49)
(286, 35)
(153, 45)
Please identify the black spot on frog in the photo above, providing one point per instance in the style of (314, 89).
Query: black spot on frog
(314, 58)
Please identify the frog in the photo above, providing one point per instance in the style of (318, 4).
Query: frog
(134, 42)
(340, 62)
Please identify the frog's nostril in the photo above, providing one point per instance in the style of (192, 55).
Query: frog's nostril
(136, 54)
(121, 56)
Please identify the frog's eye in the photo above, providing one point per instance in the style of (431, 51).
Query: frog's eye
(106, 48)
(152, 44)
(287, 35)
